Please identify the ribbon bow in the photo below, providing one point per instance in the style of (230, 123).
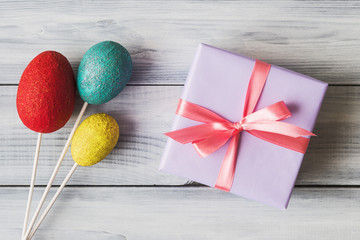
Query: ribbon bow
(216, 130)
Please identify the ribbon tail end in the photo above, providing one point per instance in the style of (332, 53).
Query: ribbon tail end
(222, 188)
(310, 134)
(177, 136)
(168, 134)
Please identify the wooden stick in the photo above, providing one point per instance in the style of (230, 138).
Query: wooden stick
(46, 211)
(32, 183)
(56, 169)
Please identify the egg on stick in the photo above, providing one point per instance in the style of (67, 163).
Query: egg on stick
(95, 138)
(45, 100)
(103, 73)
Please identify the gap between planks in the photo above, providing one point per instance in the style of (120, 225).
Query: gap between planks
(188, 213)
(196, 185)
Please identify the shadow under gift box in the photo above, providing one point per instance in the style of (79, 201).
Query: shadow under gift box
(265, 172)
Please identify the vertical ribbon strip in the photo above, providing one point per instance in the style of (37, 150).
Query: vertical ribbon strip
(216, 130)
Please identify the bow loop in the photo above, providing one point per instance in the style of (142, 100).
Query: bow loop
(197, 113)
(207, 146)
(275, 112)
(199, 132)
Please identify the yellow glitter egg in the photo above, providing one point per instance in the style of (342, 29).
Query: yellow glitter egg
(94, 139)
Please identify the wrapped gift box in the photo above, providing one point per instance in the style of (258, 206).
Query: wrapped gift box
(265, 172)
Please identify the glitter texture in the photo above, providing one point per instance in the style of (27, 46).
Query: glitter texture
(103, 72)
(46, 93)
(94, 139)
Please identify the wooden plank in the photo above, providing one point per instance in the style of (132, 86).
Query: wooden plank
(186, 213)
(315, 38)
(144, 113)
(336, 150)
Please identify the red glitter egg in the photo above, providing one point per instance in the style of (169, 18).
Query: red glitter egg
(46, 93)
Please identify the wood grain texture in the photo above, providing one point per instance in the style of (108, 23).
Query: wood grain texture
(186, 213)
(144, 113)
(316, 38)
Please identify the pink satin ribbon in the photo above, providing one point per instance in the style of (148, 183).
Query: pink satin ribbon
(216, 130)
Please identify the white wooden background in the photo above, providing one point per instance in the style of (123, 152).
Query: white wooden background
(125, 196)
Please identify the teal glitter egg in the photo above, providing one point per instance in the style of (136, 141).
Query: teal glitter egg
(103, 72)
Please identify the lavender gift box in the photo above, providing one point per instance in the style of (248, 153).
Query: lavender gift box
(218, 81)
